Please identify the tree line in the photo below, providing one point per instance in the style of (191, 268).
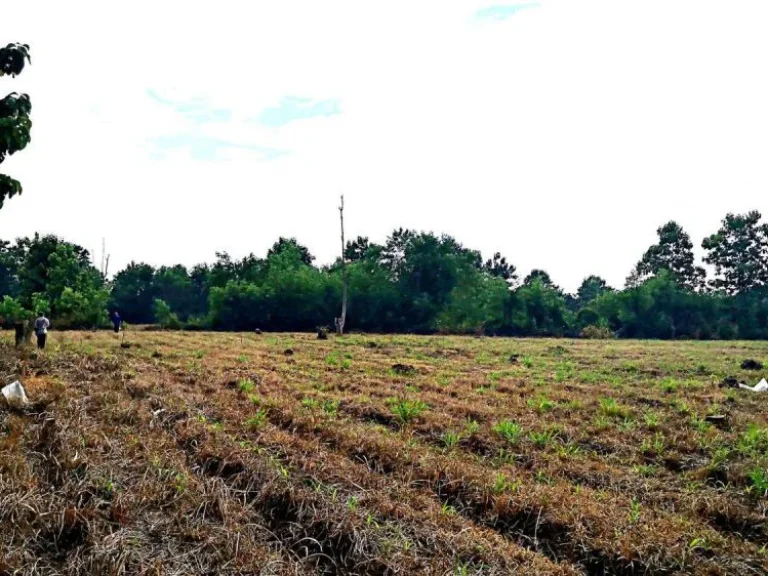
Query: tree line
(415, 282)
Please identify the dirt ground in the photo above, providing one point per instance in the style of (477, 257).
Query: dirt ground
(201, 453)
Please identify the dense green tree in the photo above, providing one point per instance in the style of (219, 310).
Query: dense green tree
(541, 308)
(591, 287)
(357, 249)
(374, 301)
(478, 303)
(12, 311)
(15, 124)
(542, 275)
(293, 246)
(660, 308)
(9, 270)
(173, 285)
(500, 268)
(133, 293)
(34, 256)
(75, 290)
(739, 253)
(426, 269)
(673, 252)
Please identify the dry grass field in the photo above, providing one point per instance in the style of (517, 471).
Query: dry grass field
(199, 453)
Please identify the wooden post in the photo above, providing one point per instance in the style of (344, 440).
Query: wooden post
(342, 320)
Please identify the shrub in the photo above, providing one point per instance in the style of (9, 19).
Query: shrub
(597, 333)
(165, 317)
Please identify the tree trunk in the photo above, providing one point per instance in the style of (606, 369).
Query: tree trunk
(342, 320)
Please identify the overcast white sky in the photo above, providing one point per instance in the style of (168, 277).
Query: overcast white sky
(561, 133)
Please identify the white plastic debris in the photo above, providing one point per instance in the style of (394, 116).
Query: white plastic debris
(14, 393)
(761, 386)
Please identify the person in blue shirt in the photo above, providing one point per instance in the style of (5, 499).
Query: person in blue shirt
(116, 321)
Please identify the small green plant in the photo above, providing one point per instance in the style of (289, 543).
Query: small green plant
(508, 430)
(180, 483)
(656, 446)
(330, 406)
(699, 424)
(613, 409)
(461, 569)
(602, 422)
(352, 503)
(545, 437)
(109, 486)
(681, 406)
(567, 450)
(528, 362)
(542, 404)
(634, 511)
(572, 405)
(644, 470)
(447, 510)
(754, 440)
(408, 410)
(443, 380)
(720, 457)
(502, 484)
(450, 439)
(669, 385)
(255, 400)
(627, 425)
(564, 371)
(542, 478)
(698, 544)
(651, 419)
(471, 427)
(310, 402)
(245, 385)
(257, 420)
(242, 358)
(758, 480)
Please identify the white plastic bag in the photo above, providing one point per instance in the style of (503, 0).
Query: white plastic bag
(14, 393)
(761, 386)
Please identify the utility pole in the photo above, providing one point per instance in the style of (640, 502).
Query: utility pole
(104, 258)
(341, 321)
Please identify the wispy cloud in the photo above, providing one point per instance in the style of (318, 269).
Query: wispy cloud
(195, 110)
(208, 148)
(503, 11)
(292, 108)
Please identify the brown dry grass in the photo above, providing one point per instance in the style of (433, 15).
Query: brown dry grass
(224, 453)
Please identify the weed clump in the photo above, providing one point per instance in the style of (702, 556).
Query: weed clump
(408, 410)
(508, 430)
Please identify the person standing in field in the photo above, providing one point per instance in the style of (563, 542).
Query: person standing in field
(117, 321)
(41, 330)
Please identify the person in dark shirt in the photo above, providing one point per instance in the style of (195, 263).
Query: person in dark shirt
(41, 330)
(117, 321)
